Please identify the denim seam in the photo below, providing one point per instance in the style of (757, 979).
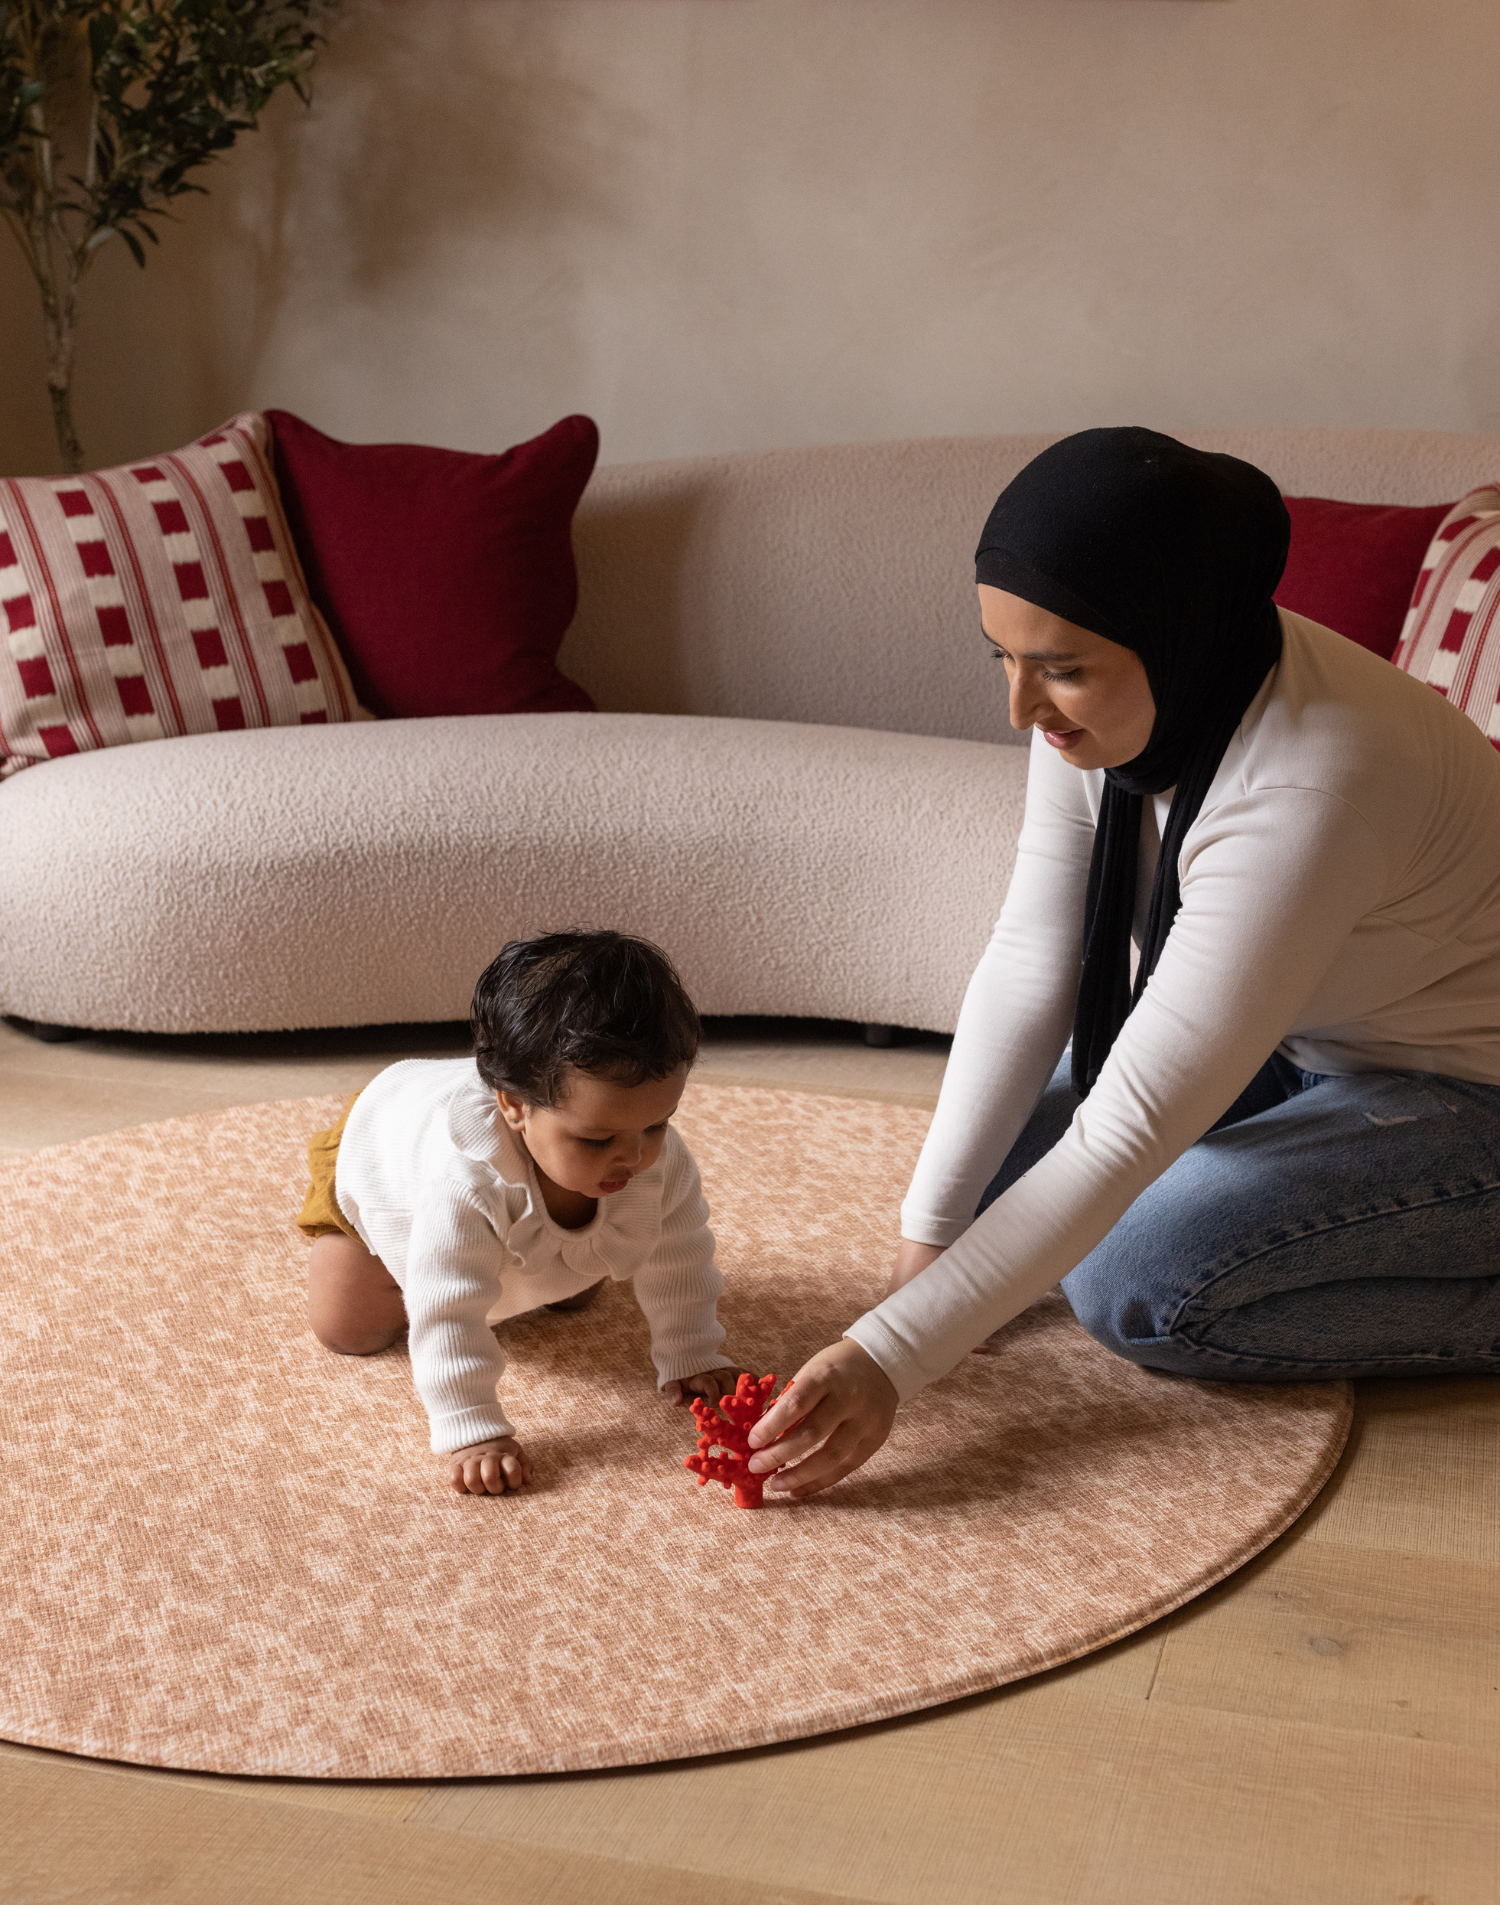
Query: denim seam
(1218, 1274)
(1366, 1363)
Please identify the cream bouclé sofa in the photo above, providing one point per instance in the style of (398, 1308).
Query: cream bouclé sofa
(802, 782)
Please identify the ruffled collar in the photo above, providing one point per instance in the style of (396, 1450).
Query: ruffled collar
(614, 1235)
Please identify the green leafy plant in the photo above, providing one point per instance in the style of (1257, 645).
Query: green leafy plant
(137, 95)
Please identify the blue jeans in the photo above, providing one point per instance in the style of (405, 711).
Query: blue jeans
(1326, 1226)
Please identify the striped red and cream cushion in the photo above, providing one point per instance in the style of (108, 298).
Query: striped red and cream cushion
(158, 599)
(1450, 639)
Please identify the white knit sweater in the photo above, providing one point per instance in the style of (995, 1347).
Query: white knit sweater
(1340, 901)
(436, 1186)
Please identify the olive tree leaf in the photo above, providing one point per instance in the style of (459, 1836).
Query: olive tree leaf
(167, 87)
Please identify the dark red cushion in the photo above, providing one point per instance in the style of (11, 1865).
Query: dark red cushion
(1353, 566)
(447, 578)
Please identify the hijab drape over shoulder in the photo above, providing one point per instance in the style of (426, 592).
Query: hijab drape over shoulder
(1173, 553)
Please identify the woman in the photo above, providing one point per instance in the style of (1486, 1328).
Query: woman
(1276, 1154)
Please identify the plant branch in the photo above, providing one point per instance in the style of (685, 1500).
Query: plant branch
(153, 90)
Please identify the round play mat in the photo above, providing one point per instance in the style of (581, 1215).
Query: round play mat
(225, 1548)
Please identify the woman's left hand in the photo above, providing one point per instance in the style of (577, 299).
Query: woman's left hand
(842, 1404)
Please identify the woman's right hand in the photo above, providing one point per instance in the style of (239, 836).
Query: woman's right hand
(832, 1416)
(911, 1260)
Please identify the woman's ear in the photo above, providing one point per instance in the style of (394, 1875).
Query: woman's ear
(513, 1110)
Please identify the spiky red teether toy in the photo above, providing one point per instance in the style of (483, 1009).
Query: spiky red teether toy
(727, 1429)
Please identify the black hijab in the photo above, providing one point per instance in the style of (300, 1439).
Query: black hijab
(1174, 554)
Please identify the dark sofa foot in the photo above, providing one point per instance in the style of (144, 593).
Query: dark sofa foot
(48, 1034)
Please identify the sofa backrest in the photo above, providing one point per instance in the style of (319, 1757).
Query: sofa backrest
(836, 584)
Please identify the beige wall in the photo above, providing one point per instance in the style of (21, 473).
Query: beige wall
(737, 223)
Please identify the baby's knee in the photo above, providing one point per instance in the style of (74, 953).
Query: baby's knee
(353, 1342)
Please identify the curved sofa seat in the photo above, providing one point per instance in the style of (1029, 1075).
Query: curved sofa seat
(366, 874)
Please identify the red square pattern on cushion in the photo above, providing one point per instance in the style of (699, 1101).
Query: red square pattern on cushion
(1353, 566)
(1450, 639)
(447, 577)
(161, 598)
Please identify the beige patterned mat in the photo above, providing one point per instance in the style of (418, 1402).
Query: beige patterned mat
(225, 1548)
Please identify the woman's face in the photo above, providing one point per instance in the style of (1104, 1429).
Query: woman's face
(1090, 697)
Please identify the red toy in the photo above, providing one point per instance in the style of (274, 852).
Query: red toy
(743, 1410)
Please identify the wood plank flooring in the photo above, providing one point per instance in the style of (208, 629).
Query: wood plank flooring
(1323, 1729)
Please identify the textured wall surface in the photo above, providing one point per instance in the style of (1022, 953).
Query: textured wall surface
(733, 224)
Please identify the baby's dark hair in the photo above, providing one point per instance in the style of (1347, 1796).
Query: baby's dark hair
(594, 1002)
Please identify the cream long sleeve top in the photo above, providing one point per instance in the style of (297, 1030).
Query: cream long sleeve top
(1340, 903)
(438, 1188)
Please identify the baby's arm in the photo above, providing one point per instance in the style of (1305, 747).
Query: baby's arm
(678, 1289)
(453, 1278)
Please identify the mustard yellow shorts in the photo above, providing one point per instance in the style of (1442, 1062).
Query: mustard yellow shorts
(320, 1208)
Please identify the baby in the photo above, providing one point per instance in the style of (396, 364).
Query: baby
(455, 1192)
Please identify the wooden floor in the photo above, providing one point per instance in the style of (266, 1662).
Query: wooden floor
(1325, 1727)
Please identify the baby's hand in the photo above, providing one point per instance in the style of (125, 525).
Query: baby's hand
(709, 1383)
(490, 1468)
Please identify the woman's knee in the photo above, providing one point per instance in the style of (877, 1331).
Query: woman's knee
(1207, 1212)
(1130, 1291)
(1115, 1304)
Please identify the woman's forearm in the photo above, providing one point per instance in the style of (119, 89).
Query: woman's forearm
(1017, 1012)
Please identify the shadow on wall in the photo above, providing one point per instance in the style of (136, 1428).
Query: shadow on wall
(430, 121)
(430, 127)
(26, 440)
(1475, 375)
